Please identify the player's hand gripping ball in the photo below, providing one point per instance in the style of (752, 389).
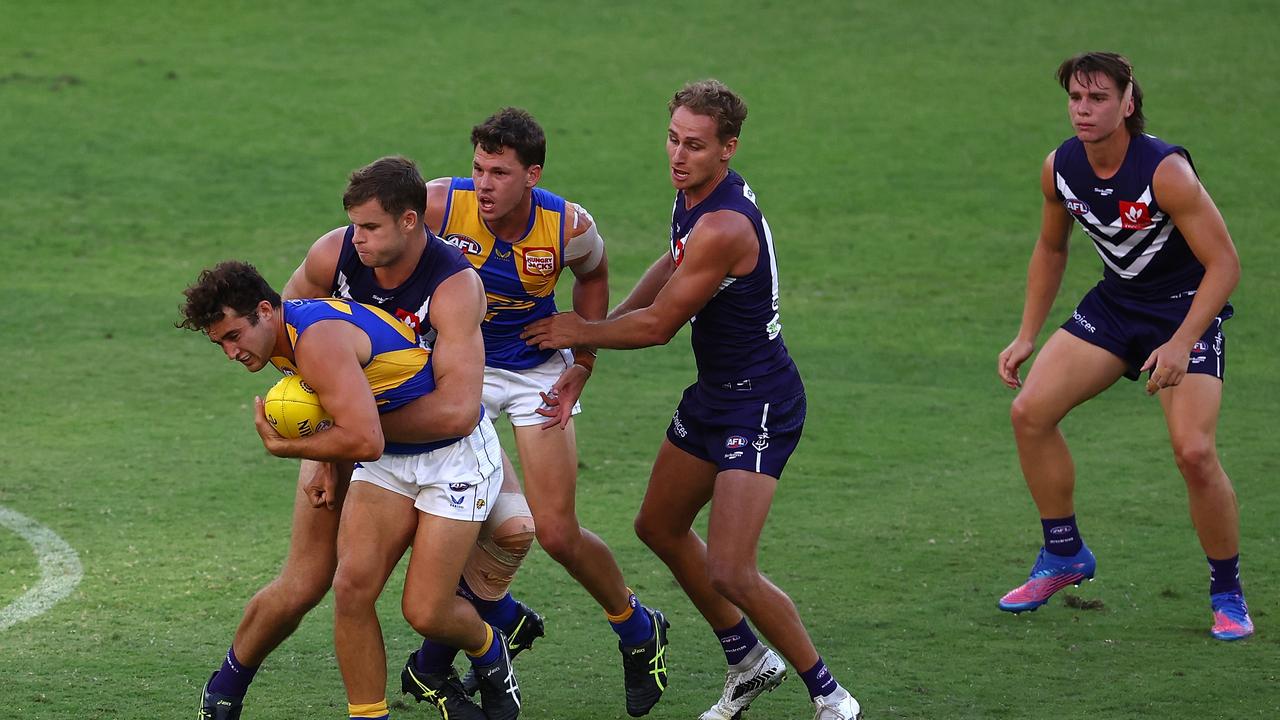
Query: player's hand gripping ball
(294, 409)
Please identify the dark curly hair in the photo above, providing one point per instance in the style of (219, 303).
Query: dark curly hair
(514, 128)
(229, 284)
(711, 97)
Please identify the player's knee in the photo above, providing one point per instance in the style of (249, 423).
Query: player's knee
(560, 538)
(1197, 459)
(1027, 417)
(354, 589)
(734, 581)
(657, 535)
(491, 568)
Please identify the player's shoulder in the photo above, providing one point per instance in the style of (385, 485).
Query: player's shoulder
(577, 220)
(724, 226)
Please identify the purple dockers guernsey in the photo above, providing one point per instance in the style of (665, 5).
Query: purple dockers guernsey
(746, 411)
(737, 335)
(1150, 275)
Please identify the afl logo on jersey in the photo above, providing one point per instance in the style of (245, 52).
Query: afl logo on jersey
(1077, 207)
(1134, 215)
(463, 243)
(539, 262)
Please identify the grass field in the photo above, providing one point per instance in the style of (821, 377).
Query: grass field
(894, 148)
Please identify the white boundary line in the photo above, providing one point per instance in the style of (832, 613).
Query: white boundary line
(60, 569)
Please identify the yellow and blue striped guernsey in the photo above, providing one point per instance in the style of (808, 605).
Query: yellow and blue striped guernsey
(519, 274)
(399, 369)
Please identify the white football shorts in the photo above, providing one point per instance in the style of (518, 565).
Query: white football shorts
(516, 392)
(460, 481)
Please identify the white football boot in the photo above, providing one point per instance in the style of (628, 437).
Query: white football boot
(745, 682)
(839, 705)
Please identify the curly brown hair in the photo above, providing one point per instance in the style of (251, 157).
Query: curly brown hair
(229, 284)
(712, 98)
(514, 128)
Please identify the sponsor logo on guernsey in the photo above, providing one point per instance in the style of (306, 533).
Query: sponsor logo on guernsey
(1104, 192)
(410, 319)
(1077, 207)
(677, 249)
(539, 262)
(1134, 215)
(1082, 322)
(735, 441)
(463, 243)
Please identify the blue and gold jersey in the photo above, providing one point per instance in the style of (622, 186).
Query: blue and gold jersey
(519, 274)
(399, 368)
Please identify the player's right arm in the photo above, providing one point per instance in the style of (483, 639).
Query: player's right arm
(437, 198)
(457, 362)
(1044, 277)
(314, 277)
(647, 287)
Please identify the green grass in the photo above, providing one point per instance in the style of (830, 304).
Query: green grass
(895, 150)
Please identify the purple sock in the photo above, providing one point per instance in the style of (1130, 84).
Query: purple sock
(233, 678)
(737, 641)
(500, 613)
(491, 656)
(637, 629)
(1061, 536)
(433, 657)
(819, 680)
(1224, 575)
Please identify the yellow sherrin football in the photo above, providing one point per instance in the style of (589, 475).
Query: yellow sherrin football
(294, 409)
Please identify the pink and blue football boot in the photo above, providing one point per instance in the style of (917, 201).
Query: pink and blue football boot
(1050, 574)
(1231, 619)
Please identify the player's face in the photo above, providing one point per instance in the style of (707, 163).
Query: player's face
(245, 342)
(696, 155)
(1097, 107)
(380, 239)
(502, 182)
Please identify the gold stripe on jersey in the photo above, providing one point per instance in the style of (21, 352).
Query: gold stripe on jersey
(537, 258)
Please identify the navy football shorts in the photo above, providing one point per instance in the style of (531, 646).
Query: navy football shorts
(737, 433)
(1130, 329)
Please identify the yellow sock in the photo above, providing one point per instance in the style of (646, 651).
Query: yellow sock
(488, 642)
(370, 710)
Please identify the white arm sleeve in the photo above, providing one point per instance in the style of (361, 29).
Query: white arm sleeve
(587, 247)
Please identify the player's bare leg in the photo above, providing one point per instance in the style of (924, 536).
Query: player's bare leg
(377, 526)
(277, 609)
(1067, 372)
(680, 485)
(430, 602)
(1191, 409)
(549, 460)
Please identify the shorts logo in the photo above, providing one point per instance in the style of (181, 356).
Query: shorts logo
(1059, 529)
(1075, 315)
(678, 426)
(733, 455)
(463, 243)
(735, 441)
(539, 262)
(480, 504)
(1134, 215)
(761, 442)
(457, 500)
(1217, 344)
(1077, 207)
(459, 487)
(1199, 347)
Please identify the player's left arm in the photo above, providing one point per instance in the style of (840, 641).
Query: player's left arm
(584, 255)
(723, 243)
(329, 356)
(1179, 192)
(457, 361)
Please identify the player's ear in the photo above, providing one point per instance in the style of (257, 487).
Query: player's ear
(1128, 100)
(264, 309)
(532, 176)
(408, 219)
(730, 148)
